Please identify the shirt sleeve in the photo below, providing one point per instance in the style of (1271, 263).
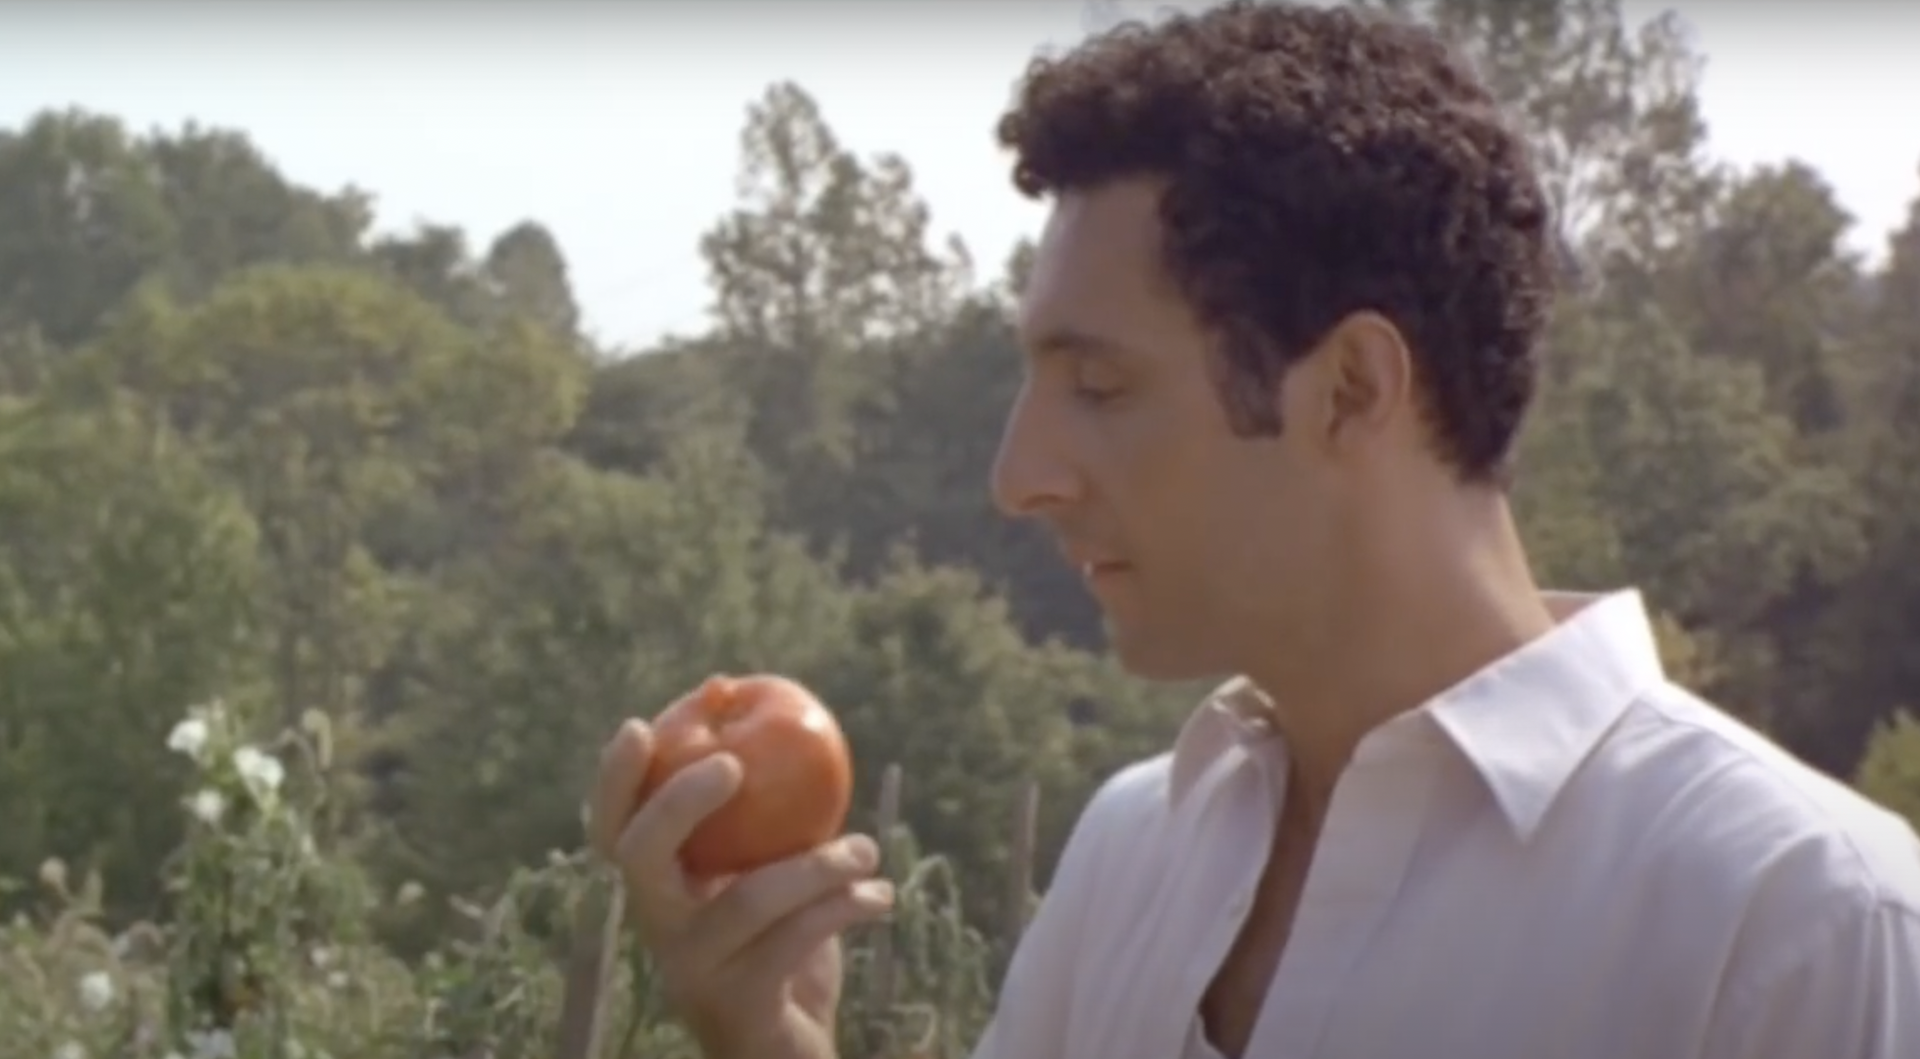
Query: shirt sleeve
(1854, 993)
(1030, 1018)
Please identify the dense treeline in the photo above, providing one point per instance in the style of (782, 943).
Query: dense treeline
(252, 451)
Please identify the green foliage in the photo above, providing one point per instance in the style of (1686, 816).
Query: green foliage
(127, 579)
(1890, 770)
(264, 950)
(933, 996)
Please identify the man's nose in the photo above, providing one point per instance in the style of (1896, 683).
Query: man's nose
(1031, 474)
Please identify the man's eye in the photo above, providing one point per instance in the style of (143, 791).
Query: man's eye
(1095, 387)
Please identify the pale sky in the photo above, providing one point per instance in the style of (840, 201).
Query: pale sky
(616, 124)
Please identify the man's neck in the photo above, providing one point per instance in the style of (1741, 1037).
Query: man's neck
(1411, 631)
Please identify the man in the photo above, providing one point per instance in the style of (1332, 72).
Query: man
(1281, 329)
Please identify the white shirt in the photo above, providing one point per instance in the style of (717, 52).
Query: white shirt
(1563, 857)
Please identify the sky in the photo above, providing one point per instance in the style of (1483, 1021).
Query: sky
(617, 124)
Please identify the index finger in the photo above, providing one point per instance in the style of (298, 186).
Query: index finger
(616, 791)
(648, 849)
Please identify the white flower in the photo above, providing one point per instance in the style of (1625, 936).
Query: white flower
(189, 737)
(296, 1050)
(70, 1050)
(209, 805)
(322, 957)
(213, 1044)
(96, 990)
(259, 770)
(337, 980)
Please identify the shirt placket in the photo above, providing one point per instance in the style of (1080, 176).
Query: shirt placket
(1366, 844)
(1233, 881)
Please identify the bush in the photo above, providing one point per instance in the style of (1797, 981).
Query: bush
(265, 950)
(1890, 770)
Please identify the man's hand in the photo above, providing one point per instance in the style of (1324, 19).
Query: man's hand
(751, 964)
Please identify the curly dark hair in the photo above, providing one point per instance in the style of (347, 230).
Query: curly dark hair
(1318, 161)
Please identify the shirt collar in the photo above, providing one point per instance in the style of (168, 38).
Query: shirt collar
(1524, 722)
(1235, 714)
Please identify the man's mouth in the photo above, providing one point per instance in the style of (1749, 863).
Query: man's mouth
(1093, 563)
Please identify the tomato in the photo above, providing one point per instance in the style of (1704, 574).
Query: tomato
(797, 775)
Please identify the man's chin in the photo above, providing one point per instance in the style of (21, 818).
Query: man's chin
(1154, 658)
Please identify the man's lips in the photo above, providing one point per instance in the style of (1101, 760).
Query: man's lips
(1092, 562)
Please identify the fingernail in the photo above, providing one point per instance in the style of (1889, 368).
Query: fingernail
(720, 765)
(862, 853)
(876, 894)
(624, 738)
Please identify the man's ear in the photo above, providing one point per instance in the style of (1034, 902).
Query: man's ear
(1365, 378)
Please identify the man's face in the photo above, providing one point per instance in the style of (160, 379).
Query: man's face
(1200, 545)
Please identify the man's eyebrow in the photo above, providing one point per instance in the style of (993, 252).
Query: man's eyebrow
(1068, 341)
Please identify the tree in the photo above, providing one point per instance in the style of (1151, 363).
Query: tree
(1612, 112)
(1890, 771)
(89, 212)
(1770, 281)
(528, 277)
(823, 266)
(823, 249)
(82, 222)
(1706, 499)
(232, 209)
(621, 593)
(1880, 607)
(127, 581)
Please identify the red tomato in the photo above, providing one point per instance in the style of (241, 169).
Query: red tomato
(797, 775)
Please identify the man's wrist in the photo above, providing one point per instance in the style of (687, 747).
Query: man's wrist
(808, 1041)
